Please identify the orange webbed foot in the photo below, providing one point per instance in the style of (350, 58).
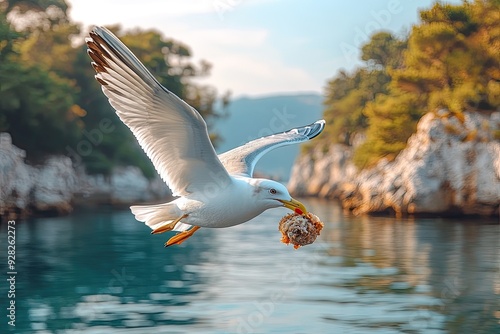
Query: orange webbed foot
(179, 238)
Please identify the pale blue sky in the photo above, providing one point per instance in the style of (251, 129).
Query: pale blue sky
(262, 47)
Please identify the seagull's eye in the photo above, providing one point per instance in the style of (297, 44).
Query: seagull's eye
(272, 191)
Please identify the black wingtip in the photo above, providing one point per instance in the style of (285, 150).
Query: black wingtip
(313, 130)
(310, 131)
(318, 127)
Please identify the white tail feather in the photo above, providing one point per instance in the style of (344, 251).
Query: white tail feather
(158, 215)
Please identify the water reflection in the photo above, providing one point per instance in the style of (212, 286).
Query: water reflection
(104, 273)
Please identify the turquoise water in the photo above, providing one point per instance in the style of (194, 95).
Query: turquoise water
(103, 272)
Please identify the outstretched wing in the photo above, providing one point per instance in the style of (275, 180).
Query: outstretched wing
(242, 160)
(172, 133)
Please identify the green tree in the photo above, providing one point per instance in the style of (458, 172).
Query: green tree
(453, 57)
(36, 14)
(347, 94)
(25, 6)
(36, 105)
(391, 121)
(383, 51)
(450, 60)
(51, 49)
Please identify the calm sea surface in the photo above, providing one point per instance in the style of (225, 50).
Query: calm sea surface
(103, 272)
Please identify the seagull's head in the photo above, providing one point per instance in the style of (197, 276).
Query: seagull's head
(273, 194)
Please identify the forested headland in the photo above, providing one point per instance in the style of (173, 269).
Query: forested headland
(450, 60)
(50, 102)
(415, 130)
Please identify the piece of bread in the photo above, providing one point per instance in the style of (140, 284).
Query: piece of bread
(300, 230)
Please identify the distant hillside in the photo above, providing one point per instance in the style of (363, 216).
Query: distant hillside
(251, 118)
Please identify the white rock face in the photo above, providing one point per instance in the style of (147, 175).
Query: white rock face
(322, 172)
(129, 185)
(449, 167)
(25, 188)
(55, 183)
(125, 186)
(53, 186)
(16, 180)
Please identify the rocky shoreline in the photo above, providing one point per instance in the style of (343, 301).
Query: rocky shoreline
(55, 187)
(449, 167)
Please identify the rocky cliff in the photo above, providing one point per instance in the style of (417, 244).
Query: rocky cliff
(55, 186)
(450, 166)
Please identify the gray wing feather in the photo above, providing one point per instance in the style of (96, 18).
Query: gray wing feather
(242, 160)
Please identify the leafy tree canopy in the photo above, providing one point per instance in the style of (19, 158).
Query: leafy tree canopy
(50, 102)
(451, 60)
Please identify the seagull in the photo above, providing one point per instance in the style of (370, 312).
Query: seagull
(212, 191)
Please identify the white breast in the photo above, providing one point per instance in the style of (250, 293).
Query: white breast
(234, 204)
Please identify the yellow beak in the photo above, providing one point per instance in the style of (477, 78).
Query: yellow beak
(295, 206)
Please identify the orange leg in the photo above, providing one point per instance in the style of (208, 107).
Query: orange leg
(168, 226)
(179, 238)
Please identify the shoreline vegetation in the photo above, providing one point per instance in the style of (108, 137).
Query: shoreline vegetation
(414, 130)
